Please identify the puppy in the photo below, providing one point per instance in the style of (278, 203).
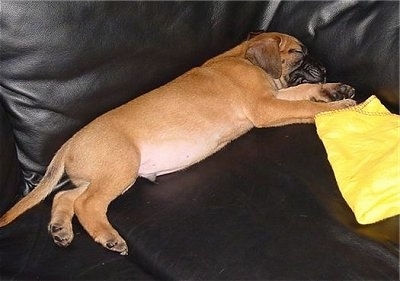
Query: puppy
(265, 81)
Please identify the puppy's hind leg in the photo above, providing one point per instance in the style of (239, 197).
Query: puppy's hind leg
(60, 226)
(91, 206)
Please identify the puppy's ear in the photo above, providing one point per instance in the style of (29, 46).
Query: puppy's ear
(265, 54)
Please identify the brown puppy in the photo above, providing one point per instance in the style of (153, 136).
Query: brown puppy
(179, 124)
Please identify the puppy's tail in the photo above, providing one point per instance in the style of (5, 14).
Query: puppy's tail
(50, 179)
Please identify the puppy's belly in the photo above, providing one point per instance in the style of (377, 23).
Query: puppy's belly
(171, 156)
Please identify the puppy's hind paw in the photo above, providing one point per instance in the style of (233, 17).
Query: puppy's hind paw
(113, 242)
(117, 246)
(62, 234)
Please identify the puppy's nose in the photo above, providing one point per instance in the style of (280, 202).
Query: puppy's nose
(310, 71)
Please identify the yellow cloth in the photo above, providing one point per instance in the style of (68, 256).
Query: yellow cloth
(362, 143)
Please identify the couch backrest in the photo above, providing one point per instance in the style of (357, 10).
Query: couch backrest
(64, 63)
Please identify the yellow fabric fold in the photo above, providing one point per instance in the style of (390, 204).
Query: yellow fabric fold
(362, 144)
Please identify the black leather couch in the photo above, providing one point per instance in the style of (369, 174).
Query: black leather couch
(265, 207)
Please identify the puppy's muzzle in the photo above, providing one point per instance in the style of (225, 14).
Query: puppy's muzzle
(309, 71)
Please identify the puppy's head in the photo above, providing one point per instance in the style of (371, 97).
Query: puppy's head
(284, 58)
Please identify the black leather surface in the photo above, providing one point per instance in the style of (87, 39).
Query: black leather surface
(265, 207)
(10, 172)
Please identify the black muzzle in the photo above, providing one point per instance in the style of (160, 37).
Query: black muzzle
(309, 71)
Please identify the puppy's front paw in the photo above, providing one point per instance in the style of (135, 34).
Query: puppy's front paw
(338, 91)
(340, 104)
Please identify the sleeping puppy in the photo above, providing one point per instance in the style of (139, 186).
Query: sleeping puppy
(268, 80)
